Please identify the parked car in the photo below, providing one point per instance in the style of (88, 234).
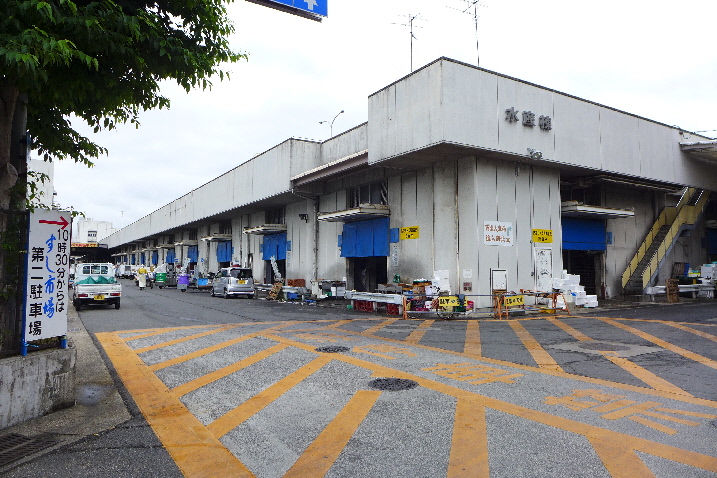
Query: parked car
(95, 283)
(233, 281)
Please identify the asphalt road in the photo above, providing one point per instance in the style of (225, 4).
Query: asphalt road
(240, 387)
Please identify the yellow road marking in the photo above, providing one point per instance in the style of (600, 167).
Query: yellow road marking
(472, 344)
(647, 391)
(704, 335)
(339, 324)
(569, 329)
(415, 336)
(325, 449)
(645, 375)
(232, 419)
(197, 453)
(228, 370)
(149, 334)
(621, 440)
(182, 339)
(208, 350)
(378, 327)
(469, 446)
(639, 372)
(664, 344)
(619, 461)
(199, 353)
(541, 357)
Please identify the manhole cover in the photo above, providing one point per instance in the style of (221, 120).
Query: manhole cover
(14, 446)
(602, 346)
(392, 384)
(332, 349)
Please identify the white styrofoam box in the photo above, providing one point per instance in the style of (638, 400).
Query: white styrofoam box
(580, 301)
(591, 304)
(573, 279)
(581, 288)
(565, 274)
(429, 290)
(582, 294)
(591, 297)
(558, 283)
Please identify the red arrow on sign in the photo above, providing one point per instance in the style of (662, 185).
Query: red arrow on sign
(62, 223)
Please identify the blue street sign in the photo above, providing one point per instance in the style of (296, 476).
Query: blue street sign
(318, 7)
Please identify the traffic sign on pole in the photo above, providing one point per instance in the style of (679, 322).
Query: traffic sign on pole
(312, 9)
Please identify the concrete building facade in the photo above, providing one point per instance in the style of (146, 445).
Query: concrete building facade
(461, 170)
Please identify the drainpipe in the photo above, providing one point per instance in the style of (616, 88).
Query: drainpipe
(315, 272)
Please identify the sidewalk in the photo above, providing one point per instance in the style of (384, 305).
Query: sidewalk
(99, 407)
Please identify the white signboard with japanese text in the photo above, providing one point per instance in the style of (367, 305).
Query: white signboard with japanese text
(48, 270)
(497, 233)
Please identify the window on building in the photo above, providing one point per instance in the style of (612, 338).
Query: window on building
(276, 216)
(91, 236)
(192, 235)
(372, 193)
(225, 228)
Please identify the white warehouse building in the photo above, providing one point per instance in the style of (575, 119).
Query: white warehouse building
(457, 169)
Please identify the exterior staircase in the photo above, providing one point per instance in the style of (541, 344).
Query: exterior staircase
(660, 239)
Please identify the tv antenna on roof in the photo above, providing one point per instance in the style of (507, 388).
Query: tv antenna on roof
(409, 24)
(472, 9)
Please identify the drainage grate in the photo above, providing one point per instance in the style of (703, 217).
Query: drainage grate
(602, 346)
(392, 384)
(15, 447)
(332, 349)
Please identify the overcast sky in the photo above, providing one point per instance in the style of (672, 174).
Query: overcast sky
(653, 58)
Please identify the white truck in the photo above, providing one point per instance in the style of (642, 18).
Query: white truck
(95, 283)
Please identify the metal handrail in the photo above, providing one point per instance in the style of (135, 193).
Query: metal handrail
(668, 216)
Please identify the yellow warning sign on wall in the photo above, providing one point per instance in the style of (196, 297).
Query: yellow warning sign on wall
(543, 235)
(409, 232)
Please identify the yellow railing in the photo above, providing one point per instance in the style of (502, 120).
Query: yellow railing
(687, 215)
(676, 216)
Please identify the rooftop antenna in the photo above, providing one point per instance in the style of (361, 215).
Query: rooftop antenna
(472, 9)
(409, 24)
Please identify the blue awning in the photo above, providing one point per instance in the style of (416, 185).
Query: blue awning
(274, 245)
(366, 238)
(583, 235)
(224, 251)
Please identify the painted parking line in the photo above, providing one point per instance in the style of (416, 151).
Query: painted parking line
(472, 345)
(574, 408)
(541, 357)
(325, 449)
(641, 373)
(627, 445)
(227, 422)
(196, 451)
(654, 391)
(664, 344)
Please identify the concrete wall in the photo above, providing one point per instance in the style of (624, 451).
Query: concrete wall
(455, 103)
(450, 203)
(36, 384)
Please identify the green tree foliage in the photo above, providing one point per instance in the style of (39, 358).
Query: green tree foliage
(102, 61)
(98, 60)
